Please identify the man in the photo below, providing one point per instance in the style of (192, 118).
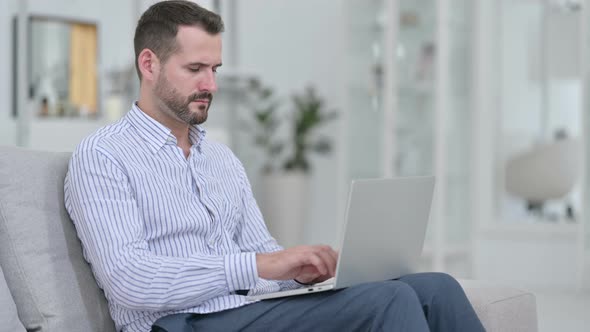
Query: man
(171, 229)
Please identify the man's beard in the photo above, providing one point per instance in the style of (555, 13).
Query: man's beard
(180, 105)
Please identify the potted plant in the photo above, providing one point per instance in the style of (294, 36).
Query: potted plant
(309, 114)
(287, 139)
(263, 123)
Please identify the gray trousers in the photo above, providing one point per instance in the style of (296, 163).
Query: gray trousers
(416, 302)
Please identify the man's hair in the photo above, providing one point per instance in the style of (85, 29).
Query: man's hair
(158, 26)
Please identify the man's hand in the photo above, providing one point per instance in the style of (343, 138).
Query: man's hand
(306, 264)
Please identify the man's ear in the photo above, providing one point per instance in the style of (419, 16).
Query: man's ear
(149, 64)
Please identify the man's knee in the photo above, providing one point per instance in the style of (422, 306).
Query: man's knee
(435, 287)
(382, 294)
(401, 291)
(443, 283)
(398, 303)
(379, 305)
(442, 279)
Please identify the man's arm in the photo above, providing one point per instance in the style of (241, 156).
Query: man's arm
(305, 264)
(102, 204)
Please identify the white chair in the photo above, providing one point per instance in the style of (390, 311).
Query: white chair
(545, 172)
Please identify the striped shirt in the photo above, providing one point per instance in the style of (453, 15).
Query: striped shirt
(165, 234)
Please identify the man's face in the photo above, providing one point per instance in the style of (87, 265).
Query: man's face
(186, 81)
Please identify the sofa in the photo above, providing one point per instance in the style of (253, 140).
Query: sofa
(46, 285)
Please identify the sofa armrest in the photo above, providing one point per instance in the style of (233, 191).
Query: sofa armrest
(502, 308)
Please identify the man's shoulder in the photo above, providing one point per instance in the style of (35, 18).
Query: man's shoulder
(221, 150)
(105, 138)
(217, 146)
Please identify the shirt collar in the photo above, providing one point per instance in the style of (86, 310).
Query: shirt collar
(156, 134)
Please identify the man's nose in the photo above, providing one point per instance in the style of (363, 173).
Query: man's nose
(208, 83)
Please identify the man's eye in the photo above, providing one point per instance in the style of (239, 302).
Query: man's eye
(195, 70)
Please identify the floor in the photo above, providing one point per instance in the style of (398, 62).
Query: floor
(563, 311)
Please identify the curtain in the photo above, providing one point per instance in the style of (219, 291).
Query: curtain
(83, 68)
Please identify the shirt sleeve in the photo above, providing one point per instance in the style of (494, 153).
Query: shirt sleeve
(289, 284)
(100, 201)
(252, 233)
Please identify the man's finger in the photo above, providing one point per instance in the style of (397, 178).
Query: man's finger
(318, 262)
(328, 258)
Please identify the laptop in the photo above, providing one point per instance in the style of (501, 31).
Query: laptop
(382, 236)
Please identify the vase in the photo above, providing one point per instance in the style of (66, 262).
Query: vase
(284, 206)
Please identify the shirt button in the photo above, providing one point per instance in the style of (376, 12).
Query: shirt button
(211, 242)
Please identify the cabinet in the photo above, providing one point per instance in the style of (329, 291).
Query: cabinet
(529, 90)
(438, 86)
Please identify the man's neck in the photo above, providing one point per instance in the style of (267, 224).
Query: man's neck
(179, 129)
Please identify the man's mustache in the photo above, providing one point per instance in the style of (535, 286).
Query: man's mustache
(200, 96)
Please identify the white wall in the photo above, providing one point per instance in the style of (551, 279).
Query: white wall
(290, 44)
(520, 95)
(521, 60)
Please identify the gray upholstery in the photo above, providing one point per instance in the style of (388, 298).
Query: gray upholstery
(54, 289)
(8, 314)
(41, 256)
(502, 309)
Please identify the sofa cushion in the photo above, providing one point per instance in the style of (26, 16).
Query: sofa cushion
(8, 314)
(51, 283)
(502, 308)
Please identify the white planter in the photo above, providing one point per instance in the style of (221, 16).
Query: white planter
(284, 204)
